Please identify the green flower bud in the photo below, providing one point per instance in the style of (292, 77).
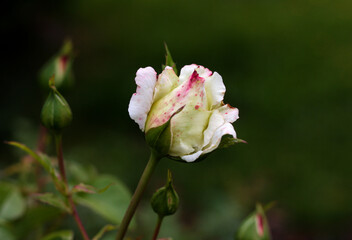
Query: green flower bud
(165, 200)
(59, 65)
(56, 113)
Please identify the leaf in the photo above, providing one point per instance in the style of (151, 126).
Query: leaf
(81, 172)
(83, 188)
(12, 203)
(89, 189)
(110, 204)
(34, 219)
(105, 229)
(51, 199)
(168, 60)
(46, 163)
(59, 235)
(6, 234)
(254, 227)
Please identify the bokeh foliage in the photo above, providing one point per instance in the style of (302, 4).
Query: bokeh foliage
(286, 66)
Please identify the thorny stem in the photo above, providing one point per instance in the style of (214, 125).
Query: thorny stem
(149, 169)
(58, 139)
(157, 227)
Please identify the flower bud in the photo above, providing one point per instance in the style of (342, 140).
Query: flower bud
(255, 227)
(59, 65)
(183, 117)
(56, 113)
(165, 200)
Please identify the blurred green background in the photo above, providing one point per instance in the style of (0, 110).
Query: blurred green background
(286, 66)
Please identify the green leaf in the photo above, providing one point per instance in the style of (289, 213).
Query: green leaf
(168, 60)
(51, 199)
(84, 188)
(34, 219)
(59, 235)
(105, 229)
(110, 204)
(12, 203)
(89, 189)
(81, 172)
(46, 163)
(6, 234)
(254, 227)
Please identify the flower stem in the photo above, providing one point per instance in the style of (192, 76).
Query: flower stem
(42, 138)
(149, 169)
(58, 140)
(157, 227)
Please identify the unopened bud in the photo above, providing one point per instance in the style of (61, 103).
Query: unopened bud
(255, 227)
(59, 65)
(56, 113)
(165, 200)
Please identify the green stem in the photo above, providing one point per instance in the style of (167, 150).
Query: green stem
(157, 227)
(149, 169)
(60, 158)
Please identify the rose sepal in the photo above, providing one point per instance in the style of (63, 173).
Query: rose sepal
(159, 138)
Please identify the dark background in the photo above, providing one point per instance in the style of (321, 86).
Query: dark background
(286, 66)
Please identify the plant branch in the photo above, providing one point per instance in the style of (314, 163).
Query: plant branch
(157, 227)
(58, 139)
(149, 169)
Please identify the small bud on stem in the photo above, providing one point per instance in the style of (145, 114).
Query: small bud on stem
(56, 113)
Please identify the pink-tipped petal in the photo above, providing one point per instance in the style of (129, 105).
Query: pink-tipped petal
(229, 113)
(142, 100)
(188, 70)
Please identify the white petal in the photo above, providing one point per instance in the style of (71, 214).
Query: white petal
(215, 89)
(226, 129)
(215, 121)
(187, 128)
(218, 118)
(188, 125)
(142, 100)
(167, 81)
(192, 157)
(187, 71)
(229, 113)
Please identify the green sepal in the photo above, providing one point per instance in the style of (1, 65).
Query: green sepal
(165, 200)
(168, 60)
(56, 113)
(64, 79)
(255, 226)
(159, 138)
(228, 140)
